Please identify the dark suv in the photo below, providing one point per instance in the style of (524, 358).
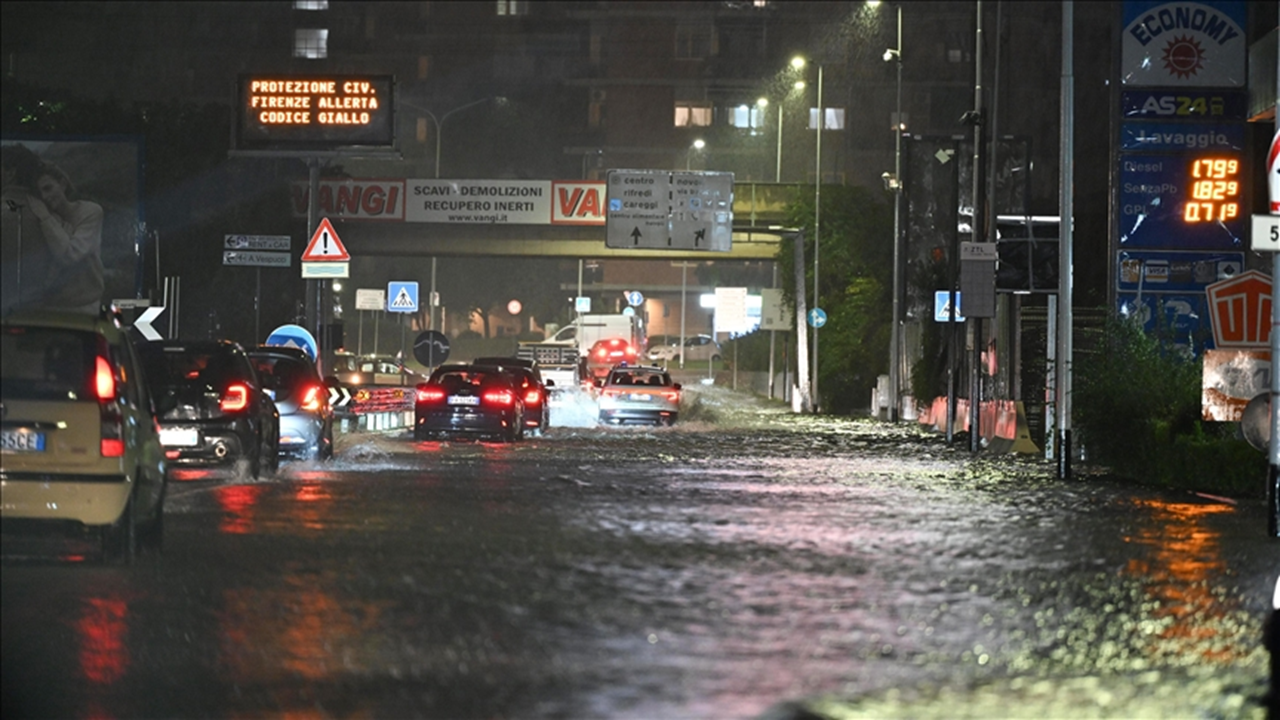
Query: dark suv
(306, 419)
(214, 413)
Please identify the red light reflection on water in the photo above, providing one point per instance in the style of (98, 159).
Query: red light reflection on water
(1186, 555)
(238, 505)
(297, 627)
(102, 625)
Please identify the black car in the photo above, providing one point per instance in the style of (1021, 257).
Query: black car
(537, 414)
(306, 419)
(466, 399)
(214, 414)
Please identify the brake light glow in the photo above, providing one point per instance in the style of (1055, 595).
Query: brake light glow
(104, 381)
(602, 352)
(430, 394)
(112, 447)
(236, 398)
(532, 397)
(499, 397)
(311, 399)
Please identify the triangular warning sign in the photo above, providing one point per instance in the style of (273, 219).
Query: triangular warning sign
(325, 245)
(403, 299)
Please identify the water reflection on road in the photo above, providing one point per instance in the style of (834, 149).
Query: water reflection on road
(733, 564)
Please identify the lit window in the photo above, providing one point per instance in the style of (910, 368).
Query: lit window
(693, 42)
(693, 114)
(513, 7)
(747, 116)
(310, 4)
(834, 118)
(311, 43)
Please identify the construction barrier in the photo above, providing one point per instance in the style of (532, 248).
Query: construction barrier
(1002, 424)
(375, 409)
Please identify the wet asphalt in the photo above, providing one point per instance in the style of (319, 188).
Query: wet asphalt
(746, 563)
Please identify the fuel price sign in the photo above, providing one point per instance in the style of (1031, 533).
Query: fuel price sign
(1215, 190)
(1186, 201)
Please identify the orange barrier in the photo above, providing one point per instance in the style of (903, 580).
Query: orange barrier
(1002, 424)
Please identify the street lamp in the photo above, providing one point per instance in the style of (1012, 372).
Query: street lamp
(817, 235)
(895, 336)
(440, 122)
(697, 145)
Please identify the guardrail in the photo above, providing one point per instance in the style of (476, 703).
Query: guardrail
(376, 408)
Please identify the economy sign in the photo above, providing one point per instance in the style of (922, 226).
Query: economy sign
(1184, 44)
(315, 111)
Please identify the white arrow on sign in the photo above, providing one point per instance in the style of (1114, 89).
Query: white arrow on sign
(143, 323)
(339, 396)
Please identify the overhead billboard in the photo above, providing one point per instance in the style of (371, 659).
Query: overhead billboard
(315, 112)
(89, 252)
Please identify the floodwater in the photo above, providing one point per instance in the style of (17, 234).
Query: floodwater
(744, 563)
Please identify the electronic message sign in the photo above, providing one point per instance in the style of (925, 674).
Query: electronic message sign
(315, 111)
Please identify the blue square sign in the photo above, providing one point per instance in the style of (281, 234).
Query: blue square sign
(402, 297)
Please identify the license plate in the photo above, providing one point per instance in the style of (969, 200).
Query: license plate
(184, 437)
(464, 399)
(22, 440)
(641, 397)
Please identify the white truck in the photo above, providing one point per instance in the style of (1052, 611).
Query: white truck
(561, 356)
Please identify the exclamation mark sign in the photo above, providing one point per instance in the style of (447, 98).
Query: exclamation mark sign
(324, 236)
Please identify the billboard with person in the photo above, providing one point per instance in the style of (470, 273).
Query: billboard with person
(71, 216)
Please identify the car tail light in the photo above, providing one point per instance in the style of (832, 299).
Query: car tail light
(311, 399)
(104, 380)
(533, 397)
(602, 352)
(503, 398)
(430, 394)
(235, 399)
(672, 396)
(111, 422)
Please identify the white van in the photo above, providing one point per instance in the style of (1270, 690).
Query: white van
(587, 329)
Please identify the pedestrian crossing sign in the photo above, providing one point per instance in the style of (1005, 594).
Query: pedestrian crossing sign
(402, 296)
(942, 306)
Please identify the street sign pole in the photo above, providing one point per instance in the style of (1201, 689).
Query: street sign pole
(1273, 446)
(1271, 237)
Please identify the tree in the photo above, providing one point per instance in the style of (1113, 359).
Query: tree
(856, 286)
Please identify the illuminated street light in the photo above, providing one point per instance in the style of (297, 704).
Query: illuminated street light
(697, 145)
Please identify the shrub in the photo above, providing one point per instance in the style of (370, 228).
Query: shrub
(1136, 405)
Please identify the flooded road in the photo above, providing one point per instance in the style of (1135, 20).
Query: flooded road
(744, 563)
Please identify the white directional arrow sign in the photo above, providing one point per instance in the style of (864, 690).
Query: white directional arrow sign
(339, 396)
(143, 323)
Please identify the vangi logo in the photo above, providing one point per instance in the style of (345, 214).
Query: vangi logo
(1183, 56)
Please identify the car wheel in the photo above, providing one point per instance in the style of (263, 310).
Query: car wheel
(120, 539)
(327, 454)
(151, 535)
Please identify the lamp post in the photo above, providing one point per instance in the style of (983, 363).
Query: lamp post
(439, 123)
(697, 145)
(797, 63)
(895, 334)
(817, 224)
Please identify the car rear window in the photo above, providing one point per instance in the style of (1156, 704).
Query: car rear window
(38, 363)
(177, 367)
(290, 373)
(639, 378)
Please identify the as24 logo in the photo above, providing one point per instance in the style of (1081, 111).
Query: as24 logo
(1183, 106)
